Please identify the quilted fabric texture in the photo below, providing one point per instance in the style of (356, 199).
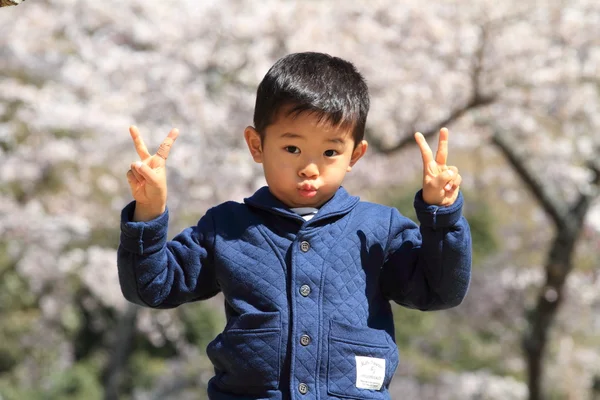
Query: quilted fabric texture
(303, 298)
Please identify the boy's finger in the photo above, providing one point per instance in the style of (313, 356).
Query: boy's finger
(447, 176)
(138, 177)
(453, 184)
(165, 147)
(442, 152)
(456, 182)
(131, 178)
(426, 152)
(453, 169)
(138, 142)
(146, 173)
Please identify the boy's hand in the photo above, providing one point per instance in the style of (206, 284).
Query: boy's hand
(147, 178)
(440, 182)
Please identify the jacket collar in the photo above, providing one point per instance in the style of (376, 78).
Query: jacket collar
(341, 203)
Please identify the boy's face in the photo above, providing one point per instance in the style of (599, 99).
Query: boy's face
(304, 160)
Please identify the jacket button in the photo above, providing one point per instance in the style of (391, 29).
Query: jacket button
(304, 290)
(303, 388)
(304, 340)
(304, 246)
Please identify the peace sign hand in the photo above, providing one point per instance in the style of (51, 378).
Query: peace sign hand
(147, 178)
(440, 182)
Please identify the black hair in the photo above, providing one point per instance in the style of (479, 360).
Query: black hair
(329, 87)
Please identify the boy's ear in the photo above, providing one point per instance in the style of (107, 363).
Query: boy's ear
(254, 143)
(357, 153)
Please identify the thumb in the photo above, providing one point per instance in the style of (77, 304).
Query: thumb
(448, 174)
(147, 172)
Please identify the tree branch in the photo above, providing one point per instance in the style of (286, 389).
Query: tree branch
(557, 211)
(476, 100)
(6, 3)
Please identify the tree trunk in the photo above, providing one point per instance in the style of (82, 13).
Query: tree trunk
(568, 222)
(121, 352)
(535, 339)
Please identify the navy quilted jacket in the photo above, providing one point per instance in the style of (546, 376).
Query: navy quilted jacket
(307, 302)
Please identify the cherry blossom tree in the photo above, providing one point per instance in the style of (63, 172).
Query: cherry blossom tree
(516, 84)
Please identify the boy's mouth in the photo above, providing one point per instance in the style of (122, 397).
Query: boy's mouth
(307, 190)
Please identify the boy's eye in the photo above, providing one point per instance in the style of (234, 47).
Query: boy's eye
(330, 153)
(292, 149)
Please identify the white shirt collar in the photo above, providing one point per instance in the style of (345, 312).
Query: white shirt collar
(305, 212)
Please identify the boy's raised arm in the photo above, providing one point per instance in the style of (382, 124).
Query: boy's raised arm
(429, 267)
(155, 272)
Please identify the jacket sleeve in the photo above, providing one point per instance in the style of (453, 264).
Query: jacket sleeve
(428, 267)
(154, 272)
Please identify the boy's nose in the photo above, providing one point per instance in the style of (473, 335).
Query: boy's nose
(310, 170)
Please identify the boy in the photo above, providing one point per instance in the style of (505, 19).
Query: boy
(306, 269)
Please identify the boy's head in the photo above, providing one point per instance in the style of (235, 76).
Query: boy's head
(327, 87)
(310, 116)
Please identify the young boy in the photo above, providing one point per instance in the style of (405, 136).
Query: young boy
(306, 269)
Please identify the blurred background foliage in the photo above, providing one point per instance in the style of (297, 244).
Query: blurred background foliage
(75, 74)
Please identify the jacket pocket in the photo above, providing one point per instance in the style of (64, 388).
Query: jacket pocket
(361, 362)
(246, 356)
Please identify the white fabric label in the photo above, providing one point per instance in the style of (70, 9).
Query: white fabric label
(370, 372)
